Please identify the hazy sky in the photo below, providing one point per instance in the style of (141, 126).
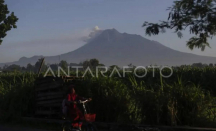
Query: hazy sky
(53, 27)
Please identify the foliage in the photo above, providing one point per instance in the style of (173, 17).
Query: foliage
(30, 67)
(186, 98)
(196, 15)
(38, 65)
(63, 64)
(7, 21)
(92, 64)
(171, 101)
(13, 67)
(16, 95)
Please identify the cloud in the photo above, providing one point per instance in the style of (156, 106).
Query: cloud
(96, 28)
(93, 33)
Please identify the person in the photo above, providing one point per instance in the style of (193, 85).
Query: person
(74, 112)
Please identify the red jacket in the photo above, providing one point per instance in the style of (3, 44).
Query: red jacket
(73, 97)
(74, 111)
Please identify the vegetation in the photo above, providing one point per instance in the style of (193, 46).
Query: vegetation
(92, 64)
(197, 16)
(16, 95)
(176, 104)
(186, 98)
(7, 22)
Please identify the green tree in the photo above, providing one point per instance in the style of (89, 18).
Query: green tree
(13, 67)
(54, 67)
(63, 64)
(30, 67)
(38, 64)
(211, 65)
(85, 64)
(94, 63)
(197, 65)
(23, 69)
(196, 15)
(7, 21)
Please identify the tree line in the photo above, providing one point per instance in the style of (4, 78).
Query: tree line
(92, 63)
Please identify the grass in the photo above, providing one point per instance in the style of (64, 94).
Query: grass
(186, 98)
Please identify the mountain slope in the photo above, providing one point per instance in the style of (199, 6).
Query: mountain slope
(112, 47)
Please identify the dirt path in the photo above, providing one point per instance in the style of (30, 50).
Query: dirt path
(8, 128)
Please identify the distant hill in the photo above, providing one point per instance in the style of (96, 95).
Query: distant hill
(113, 48)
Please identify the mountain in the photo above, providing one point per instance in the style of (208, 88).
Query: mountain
(113, 48)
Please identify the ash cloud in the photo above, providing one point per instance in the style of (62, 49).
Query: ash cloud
(94, 33)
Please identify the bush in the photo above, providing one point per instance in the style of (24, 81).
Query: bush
(186, 98)
(17, 95)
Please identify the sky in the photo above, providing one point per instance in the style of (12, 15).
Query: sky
(54, 27)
